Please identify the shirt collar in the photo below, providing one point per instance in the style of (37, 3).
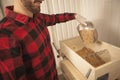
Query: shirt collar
(16, 16)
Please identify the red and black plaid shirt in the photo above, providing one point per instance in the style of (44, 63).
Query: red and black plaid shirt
(25, 47)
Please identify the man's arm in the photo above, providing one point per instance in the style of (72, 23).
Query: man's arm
(59, 18)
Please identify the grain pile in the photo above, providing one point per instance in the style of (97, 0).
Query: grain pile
(90, 56)
(87, 36)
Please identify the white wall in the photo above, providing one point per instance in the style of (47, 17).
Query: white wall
(106, 16)
(1, 14)
(5, 3)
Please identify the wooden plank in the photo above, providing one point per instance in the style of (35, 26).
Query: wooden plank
(70, 72)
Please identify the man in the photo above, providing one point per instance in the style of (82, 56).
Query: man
(25, 49)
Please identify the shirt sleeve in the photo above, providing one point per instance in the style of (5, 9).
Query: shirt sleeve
(10, 58)
(57, 18)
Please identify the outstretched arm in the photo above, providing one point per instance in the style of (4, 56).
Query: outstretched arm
(59, 18)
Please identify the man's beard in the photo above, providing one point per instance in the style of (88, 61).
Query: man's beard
(30, 6)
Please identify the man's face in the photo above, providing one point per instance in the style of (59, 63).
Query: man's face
(32, 5)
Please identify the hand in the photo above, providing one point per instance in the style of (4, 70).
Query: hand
(80, 19)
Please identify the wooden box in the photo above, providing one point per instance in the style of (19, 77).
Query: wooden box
(70, 72)
(107, 71)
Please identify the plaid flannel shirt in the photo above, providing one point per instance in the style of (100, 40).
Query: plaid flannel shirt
(25, 47)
